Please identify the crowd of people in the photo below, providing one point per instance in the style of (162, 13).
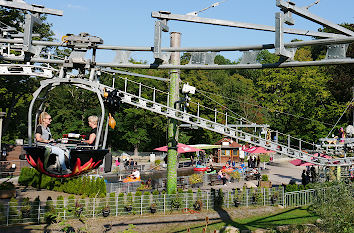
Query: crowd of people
(308, 176)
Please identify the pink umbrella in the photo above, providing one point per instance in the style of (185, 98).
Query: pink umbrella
(257, 150)
(182, 148)
(299, 162)
(322, 155)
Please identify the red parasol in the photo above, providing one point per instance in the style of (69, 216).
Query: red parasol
(182, 148)
(257, 150)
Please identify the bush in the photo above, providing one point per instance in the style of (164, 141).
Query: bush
(146, 201)
(219, 199)
(121, 202)
(112, 203)
(14, 213)
(50, 215)
(35, 208)
(137, 201)
(7, 186)
(335, 205)
(195, 178)
(264, 177)
(60, 206)
(78, 185)
(2, 214)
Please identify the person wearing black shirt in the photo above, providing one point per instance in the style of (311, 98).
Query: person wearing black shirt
(92, 121)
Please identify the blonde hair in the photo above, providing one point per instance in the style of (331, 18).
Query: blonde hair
(42, 116)
(93, 119)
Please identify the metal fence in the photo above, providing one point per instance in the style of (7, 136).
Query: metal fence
(132, 203)
(299, 198)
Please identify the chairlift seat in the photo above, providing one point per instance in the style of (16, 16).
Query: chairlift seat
(82, 160)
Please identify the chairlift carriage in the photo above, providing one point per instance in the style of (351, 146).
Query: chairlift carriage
(83, 158)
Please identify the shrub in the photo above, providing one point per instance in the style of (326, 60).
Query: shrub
(2, 214)
(195, 178)
(25, 208)
(34, 210)
(14, 214)
(264, 177)
(60, 206)
(146, 201)
(70, 206)
(157, 162)
(120, 202)
(335, 205)
(129, 200)
(7, 186)
(137, 201)
(112, 203)
(219, 199)
(189, 198)
(50, 215)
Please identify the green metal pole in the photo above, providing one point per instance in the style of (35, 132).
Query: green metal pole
(338, 172)
(175, 41)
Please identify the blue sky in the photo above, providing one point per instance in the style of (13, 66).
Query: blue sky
(129, 22)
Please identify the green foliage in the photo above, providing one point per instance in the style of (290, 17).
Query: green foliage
(157, 162)
(60, 206)
(7, 186)
(50, 215)
(146, 201)
(219, 199)
(13, 211)
(137, 201)
(195, 178)
(70, 206)
(264, 177)
(176, 201)
(91, 187)
(121, 202)
(129, 200)
(34, 210)
(334, 203)
(2, 214)
(112, 203)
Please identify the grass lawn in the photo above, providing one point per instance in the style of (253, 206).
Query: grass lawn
(293, 216)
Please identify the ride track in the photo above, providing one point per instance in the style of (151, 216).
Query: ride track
(80, 44)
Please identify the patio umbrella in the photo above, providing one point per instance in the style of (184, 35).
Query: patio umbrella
(299, 162)
(181, 148)
(257, 150)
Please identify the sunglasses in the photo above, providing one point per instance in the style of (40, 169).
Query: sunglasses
(48, 118)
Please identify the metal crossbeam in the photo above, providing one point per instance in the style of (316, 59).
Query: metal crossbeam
(196, 19)
(303, 12)
(19, 4)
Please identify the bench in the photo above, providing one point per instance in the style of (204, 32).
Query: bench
(214, 180)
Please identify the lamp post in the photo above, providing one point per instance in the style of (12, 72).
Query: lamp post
(2, 114)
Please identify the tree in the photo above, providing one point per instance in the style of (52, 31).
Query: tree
(15, 91)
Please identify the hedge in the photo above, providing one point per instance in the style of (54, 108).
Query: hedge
(86, 186)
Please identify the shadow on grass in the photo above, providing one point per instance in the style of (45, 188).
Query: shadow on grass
(291, 216)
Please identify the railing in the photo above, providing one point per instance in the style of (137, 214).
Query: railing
(299, 198)
(120, 204)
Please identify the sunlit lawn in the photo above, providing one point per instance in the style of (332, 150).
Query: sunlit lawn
(294, 216)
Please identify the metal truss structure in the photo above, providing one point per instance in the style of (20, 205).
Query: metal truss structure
(30, 53)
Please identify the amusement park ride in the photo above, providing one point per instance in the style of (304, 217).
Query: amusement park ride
(32, 61)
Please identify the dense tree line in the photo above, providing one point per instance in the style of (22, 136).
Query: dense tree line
(304, 102)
